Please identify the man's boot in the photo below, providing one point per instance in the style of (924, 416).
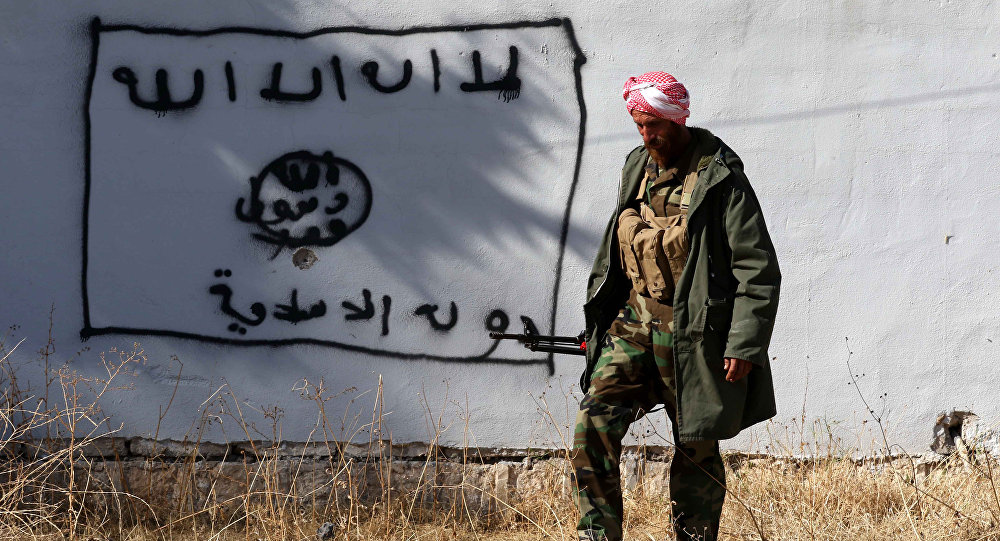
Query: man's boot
(591, 535)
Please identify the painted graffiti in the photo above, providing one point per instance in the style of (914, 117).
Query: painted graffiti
(392, 193)
(507, 87)
(305, 199)
(163, 102)
(256, 312)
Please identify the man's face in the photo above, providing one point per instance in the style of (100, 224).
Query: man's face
(659, 135)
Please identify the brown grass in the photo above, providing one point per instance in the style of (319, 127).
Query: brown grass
(53, 486)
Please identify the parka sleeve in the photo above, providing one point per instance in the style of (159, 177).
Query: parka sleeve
(755, 268)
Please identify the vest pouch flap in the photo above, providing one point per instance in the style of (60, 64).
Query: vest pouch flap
(629, 226)
(663, 222)
(648, 247)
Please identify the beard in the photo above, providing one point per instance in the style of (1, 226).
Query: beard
(659, 150)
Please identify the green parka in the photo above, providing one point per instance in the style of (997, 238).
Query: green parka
(724, 302)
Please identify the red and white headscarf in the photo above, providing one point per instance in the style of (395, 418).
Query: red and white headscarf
(659, 94)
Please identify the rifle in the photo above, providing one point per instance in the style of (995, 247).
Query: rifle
(545, 343)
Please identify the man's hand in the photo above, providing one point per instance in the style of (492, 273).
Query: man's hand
(736, 369)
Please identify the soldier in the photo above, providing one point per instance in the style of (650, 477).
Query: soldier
(680, 307)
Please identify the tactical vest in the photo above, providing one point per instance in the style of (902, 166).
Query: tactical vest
(654, 248)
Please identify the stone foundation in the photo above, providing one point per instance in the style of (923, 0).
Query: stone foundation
(177, 477)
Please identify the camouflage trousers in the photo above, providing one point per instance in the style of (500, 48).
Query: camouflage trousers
(634, 373)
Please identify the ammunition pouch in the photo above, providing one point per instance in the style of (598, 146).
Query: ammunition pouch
(653, 251)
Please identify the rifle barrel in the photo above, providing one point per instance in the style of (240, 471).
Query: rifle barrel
(565, 350)
(505, 336)
(535, 338)
(563, 339)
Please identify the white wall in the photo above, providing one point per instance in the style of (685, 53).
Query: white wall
(867, 129)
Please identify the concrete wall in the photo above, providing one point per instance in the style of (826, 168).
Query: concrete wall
(340, 193)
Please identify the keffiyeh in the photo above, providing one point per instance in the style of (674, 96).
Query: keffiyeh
(659, 94)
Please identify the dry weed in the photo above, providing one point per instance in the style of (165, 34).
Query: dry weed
(349, 481)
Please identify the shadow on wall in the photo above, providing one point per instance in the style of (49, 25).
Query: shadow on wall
(422, 177)
(902, 101)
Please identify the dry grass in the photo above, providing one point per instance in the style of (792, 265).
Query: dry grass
(51, 487)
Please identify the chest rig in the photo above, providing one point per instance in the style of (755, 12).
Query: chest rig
(653, 239)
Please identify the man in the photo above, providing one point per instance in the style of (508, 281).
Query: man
(680, 307)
